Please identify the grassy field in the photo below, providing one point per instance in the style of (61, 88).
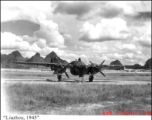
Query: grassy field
(78, 99)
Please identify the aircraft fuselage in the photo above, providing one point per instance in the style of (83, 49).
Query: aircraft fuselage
(78, 68)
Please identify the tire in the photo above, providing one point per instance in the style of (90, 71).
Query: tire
(91, 78)
(59, 77)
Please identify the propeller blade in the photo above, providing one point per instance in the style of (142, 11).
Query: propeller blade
(63, 68)
(103, 74)
(66, 74)
(59, 62)
(102, 62)
(91, 62)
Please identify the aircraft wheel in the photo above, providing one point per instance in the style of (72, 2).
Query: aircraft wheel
(91, 78)
(59, 77)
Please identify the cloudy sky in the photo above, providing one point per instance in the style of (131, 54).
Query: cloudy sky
(94, 31)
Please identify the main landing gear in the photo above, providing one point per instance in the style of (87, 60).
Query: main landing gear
(59, 76)
(91, 77)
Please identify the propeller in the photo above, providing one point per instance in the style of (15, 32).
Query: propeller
(99, 67)
(66, 74)
(91, 62)
(51, 61)
(94, 65)
(62, 68)
(103, 74)
(102, 62)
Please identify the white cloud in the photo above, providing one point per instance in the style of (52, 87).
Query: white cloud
(34, 47)
(41, 43)
(49, 32)
(115, 56)
(107, 29)
(120, 56)
(27, 54)
(69, 40)
(139, 52)
(128, 55)
(36, 11)
(29, 39)
(131, 47)
(12, 10)
(11, 41)
(144, 40)
(97, 47)
(48, 37)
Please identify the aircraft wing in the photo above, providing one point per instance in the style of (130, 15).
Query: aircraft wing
(108, 66)
(36, 63)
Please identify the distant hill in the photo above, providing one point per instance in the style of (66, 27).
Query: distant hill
(7, 60)
(116, 62)
(49, 56)
(54, 55)
(36, 58)
(15, 56)
(148, 64)
(137, 66)
(3, 57)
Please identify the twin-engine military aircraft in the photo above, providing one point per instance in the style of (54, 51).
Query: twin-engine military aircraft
(76, 67)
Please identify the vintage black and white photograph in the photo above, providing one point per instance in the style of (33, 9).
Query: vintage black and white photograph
(75, 58)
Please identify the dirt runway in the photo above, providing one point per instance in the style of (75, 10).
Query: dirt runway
(47, 77)
(41, 81)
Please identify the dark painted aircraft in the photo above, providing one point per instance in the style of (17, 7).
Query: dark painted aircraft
(58, 68)
(76, 67)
